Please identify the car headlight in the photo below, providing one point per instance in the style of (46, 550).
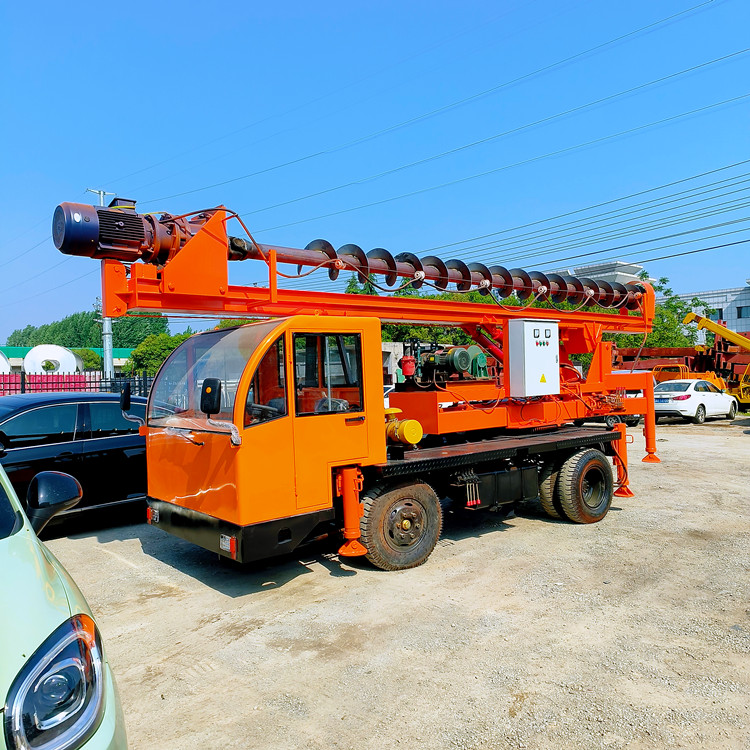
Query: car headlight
(57, 699)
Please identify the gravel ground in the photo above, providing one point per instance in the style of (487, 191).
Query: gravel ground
(527, 633)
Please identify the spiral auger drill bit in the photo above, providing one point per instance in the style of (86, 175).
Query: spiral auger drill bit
(119, 233)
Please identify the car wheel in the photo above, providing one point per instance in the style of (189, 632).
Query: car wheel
(585, 485)
(732, 410)
(634, 422)
(400, 527)
(700, 415)
(611, 420)
(579, 422)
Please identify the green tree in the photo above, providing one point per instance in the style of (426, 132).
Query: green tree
(670, 311)
(152, 351)
(130, 330)
(355, 286)
(91, 360)
(83, 330)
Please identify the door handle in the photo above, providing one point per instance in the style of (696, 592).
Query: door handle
(354, 420)
(65, 454)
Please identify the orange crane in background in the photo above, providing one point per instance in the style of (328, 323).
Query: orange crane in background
(263, 437)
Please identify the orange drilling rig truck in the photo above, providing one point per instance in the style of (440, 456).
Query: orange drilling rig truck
(268, 435)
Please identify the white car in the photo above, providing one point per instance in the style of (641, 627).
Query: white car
(693, 400)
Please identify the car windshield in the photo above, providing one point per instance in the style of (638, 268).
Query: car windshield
(223, 354)
(671, 387)
(7, 514)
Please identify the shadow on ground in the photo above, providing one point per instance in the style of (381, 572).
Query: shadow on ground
(235, 580)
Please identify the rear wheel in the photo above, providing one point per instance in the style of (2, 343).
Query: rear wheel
(585, 486)
(611, 420)
(700, 415)
(633, 421)
(548, 495)
(400, 526)
(732, 410)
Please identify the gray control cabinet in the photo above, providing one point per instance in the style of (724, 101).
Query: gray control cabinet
(533, 358)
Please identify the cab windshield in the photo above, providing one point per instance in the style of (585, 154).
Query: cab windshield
(176, 393)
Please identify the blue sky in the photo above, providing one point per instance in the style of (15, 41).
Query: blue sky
(156, 99)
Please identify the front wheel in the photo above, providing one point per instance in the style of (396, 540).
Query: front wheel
(585, 486)
(400, 526)
(700, 415)
(732, 410)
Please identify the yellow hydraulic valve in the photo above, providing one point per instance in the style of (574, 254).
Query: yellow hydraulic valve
(406, 431)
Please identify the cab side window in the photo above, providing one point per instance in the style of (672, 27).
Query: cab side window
(107, 419)
(42, 426)
(328, 373)
(267, 395)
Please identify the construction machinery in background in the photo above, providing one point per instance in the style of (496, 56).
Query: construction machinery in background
(271, 434)
(725, 362)
(737, 369)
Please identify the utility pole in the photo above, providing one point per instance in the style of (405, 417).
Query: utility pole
(108, 359)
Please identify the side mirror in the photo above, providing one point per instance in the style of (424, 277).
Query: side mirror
(125, 397)
(50, 492)
(211, 396)
(4, 442)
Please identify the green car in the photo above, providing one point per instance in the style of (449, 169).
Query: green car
(57, 686)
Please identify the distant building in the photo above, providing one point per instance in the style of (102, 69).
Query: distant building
(731, 306)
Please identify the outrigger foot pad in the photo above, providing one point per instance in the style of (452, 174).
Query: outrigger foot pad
(352, 548)
(651, 458)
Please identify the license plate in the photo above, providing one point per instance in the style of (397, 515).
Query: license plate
(661, 400)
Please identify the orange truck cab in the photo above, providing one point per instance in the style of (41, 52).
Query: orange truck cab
(304, 395)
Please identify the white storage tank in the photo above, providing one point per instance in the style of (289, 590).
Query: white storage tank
(49, 359)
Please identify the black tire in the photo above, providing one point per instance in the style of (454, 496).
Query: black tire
(585, 486)
(732, 410)
(633, 422)
(401, 525)
(611, 420)
(656, 420)
(548, 495)
(579, 422)
(700, 415)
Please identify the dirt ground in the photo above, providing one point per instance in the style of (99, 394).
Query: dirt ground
(528, 633)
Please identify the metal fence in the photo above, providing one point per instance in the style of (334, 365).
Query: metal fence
(89, 382)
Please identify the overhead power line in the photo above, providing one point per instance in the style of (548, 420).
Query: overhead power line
(453, 105)
(633, 208)
(590, 237)
(524, 162)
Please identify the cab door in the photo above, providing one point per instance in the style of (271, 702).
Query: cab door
(330, 423)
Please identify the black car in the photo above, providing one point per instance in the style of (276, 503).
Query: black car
(82, 434)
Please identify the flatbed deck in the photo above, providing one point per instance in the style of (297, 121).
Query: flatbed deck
(506, 446)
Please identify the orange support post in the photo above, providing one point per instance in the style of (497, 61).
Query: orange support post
(621, 462)
(649, 425)
(350, 480)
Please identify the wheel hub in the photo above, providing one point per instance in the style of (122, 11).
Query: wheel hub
(592, 487)
(405, 523)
